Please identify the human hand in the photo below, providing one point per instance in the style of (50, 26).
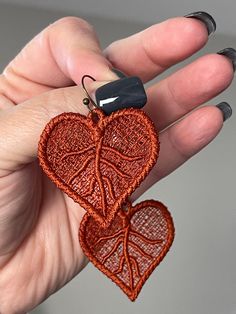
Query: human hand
(39, 247)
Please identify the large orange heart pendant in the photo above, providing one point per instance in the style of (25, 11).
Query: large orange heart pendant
(99, 160)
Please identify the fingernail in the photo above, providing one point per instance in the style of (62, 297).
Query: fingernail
(206, 18)
(231, 54)
(119, 73)
(225, 109)
(123, 93)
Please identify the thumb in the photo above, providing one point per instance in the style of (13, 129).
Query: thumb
(22, 125)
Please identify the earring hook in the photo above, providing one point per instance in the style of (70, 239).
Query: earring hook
(88, 99)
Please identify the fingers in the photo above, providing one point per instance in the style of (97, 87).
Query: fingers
(189, 87)
(69, 48)
(59, 56)
(182, 141)
(153, 50)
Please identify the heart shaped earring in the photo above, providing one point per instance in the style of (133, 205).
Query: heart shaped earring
(99, 161)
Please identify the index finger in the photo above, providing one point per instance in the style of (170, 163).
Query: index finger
(57, 57)
(153, 50)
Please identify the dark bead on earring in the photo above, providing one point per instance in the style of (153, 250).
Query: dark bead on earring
(120, 94)
(86, 101)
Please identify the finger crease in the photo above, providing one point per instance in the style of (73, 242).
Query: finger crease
(151, 58)
(182, 155)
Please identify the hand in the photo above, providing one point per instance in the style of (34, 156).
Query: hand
(39, 247)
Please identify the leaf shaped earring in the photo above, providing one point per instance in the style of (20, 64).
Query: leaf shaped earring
(99, 161)
(131, 248)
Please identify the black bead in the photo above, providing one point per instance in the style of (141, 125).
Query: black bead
(120, 94)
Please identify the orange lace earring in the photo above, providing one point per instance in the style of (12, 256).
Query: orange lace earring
(99, 161)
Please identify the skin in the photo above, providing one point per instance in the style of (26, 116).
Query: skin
(39, 247)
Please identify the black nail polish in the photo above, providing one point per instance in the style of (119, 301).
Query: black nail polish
(119, 73)
(206, 18)
(123, 93)
(225, 109)
(229, 53)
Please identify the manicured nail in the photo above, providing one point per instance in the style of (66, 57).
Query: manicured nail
(225, 109)
(229, 53)
(119, 73)
(123, 93)
(206, 18)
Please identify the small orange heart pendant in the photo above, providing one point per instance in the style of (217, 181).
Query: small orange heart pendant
(133, 245)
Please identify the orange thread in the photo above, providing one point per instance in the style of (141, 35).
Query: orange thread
(133, 245)
(91, 187)
(98, 161)
(110, 164)
(118, 151)
(129, 158)
(99, 177)
(84, 165)
(78, 153)
(111, 191)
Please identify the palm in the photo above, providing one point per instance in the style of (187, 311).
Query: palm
(49, 231)
(39, 247)
(24, 197)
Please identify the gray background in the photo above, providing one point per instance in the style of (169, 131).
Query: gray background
(198, 275)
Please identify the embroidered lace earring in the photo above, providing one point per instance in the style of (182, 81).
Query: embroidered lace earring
(99, 161)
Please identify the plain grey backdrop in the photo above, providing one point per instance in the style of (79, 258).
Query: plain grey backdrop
(198, 276)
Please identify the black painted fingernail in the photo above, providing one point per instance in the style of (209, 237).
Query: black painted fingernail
(119, 73)
(206, 18)
(225, 109)
(229, 53)
(123, 93)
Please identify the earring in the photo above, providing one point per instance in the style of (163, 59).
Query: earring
(99, 161)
